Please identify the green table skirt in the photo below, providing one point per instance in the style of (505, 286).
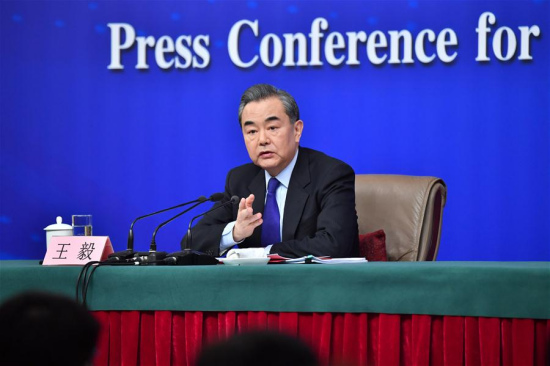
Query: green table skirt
(488, 289)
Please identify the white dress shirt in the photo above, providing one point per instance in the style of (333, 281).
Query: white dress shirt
(283, 177)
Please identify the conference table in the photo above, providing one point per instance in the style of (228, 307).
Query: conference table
(377, 313)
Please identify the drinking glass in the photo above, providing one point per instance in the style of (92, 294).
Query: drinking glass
(82, 225)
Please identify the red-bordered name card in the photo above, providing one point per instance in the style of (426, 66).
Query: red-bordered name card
(77, 250)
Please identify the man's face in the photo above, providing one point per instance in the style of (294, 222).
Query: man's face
(270, 138)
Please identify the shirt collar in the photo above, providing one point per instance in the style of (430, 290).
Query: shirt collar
(284, 175)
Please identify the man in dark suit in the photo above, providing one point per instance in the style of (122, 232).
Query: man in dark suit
(310, 208)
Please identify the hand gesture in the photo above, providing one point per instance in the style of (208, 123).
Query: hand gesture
(246, 220)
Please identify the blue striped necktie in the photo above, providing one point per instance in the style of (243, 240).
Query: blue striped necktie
(271, 232)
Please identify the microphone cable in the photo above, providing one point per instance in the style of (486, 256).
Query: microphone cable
(82, 276)
(85, 277)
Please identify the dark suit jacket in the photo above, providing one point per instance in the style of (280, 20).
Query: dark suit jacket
(319, 217)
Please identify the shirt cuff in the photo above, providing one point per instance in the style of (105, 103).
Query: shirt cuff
(227, 241)
(267, 249)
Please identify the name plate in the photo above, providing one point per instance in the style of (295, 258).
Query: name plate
(77, 250)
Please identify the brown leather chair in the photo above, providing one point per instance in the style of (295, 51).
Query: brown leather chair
(409, 210)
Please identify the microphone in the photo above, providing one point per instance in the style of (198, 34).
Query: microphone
(192, 257)
(129, 254)
(189, 241)
(155, 256)
(131, 233)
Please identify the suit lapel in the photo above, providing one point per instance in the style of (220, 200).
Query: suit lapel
(296, 196)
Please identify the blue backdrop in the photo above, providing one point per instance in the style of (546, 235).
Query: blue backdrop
(84, 133)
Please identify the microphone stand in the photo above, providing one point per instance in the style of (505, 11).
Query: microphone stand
(131, 233)
(155, 257)
(129, 253)
(187, 256)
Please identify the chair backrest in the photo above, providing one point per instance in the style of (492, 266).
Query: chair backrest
(409, 210)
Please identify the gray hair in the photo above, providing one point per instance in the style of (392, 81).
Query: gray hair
(264, 91)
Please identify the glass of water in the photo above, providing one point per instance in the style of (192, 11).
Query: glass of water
(82, 225)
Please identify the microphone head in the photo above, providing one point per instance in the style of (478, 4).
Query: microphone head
(216, 197)
(234, 199)
(202, 199)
